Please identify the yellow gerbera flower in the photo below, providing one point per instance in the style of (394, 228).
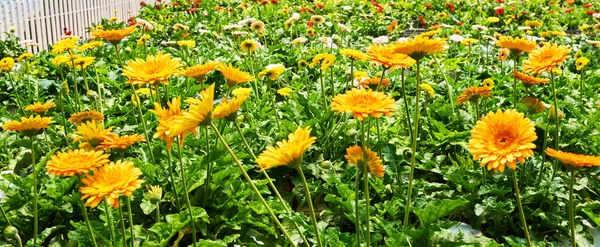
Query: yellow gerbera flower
(367, 160)
(285, 92)
(419, 47)
(384, 55)
(317, 19)
(363, 103)
(187, 43)
(354, 54)
(325, 59)
(60, 60)
(121, 142)
(199, 72)
(229, 109)
(7, 63)
(272, 71)
(233, 75)
(502, 138)
(249, 45)
(516, 45)
(65, 45)
(29, 126)
(428, 89)
(24, 56)
(113, 36)
(77, 161)
(40, 108)
(86, 116)
(92, 134)
(546, 58)
(531, 23)
(287, 152)
(199, 114)
(153, 70)
(581, 62)
(241, 91)
(109, 182)
(83, 62)
(90, 46)
(468, 41)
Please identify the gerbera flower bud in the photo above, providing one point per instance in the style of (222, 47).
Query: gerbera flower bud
(155, 194)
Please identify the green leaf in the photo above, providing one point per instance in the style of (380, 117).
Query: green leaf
(438, 209)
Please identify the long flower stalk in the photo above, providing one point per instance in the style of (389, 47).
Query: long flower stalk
(310, 205)
(249, 180)
(187, 197)
(414, 148)
(275, 190)
(520, 205)
(35, 194)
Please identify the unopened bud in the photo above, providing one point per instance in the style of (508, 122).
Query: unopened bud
(65, 87)
(11, 232)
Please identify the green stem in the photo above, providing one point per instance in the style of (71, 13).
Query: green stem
(171, 175)
(310, 205)
(208, 172)
(75, 83)
(157, 212)
(109, 221)
(5, 216)
(123, 226)
(35, 194)
(139, 107)
(556, 122)
(356, 199)
(187, 197)
(249, 180)
(62, 109)
(130, 215)
(283, 202)
(349, 83)
(450, 88)
(571, 207)
(367, 205)
(118, 55)
(414, 149)
(521, 212)
(515, 83)
(404, 98)
(89, 226)
(322, 88)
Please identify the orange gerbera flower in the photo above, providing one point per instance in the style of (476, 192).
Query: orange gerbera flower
(92, 134)
(199, 72)
(574, 160)
(367, 159)
(516, 45)
(166, 121)
(528, 80)
(40, 108)
(502, 138)
(110, 182)
(77, 161)
(546, 59)
(86, 116)
(533, 105)
(153, 70)
(363, 103)
(121, 142)
(385, 56)
(113, 36)
(233, 75)
(374, 82)
(419, 47)
(474, 93)
(29, 126)
(287, 152)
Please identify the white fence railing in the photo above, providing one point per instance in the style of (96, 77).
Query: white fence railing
(43, 21)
